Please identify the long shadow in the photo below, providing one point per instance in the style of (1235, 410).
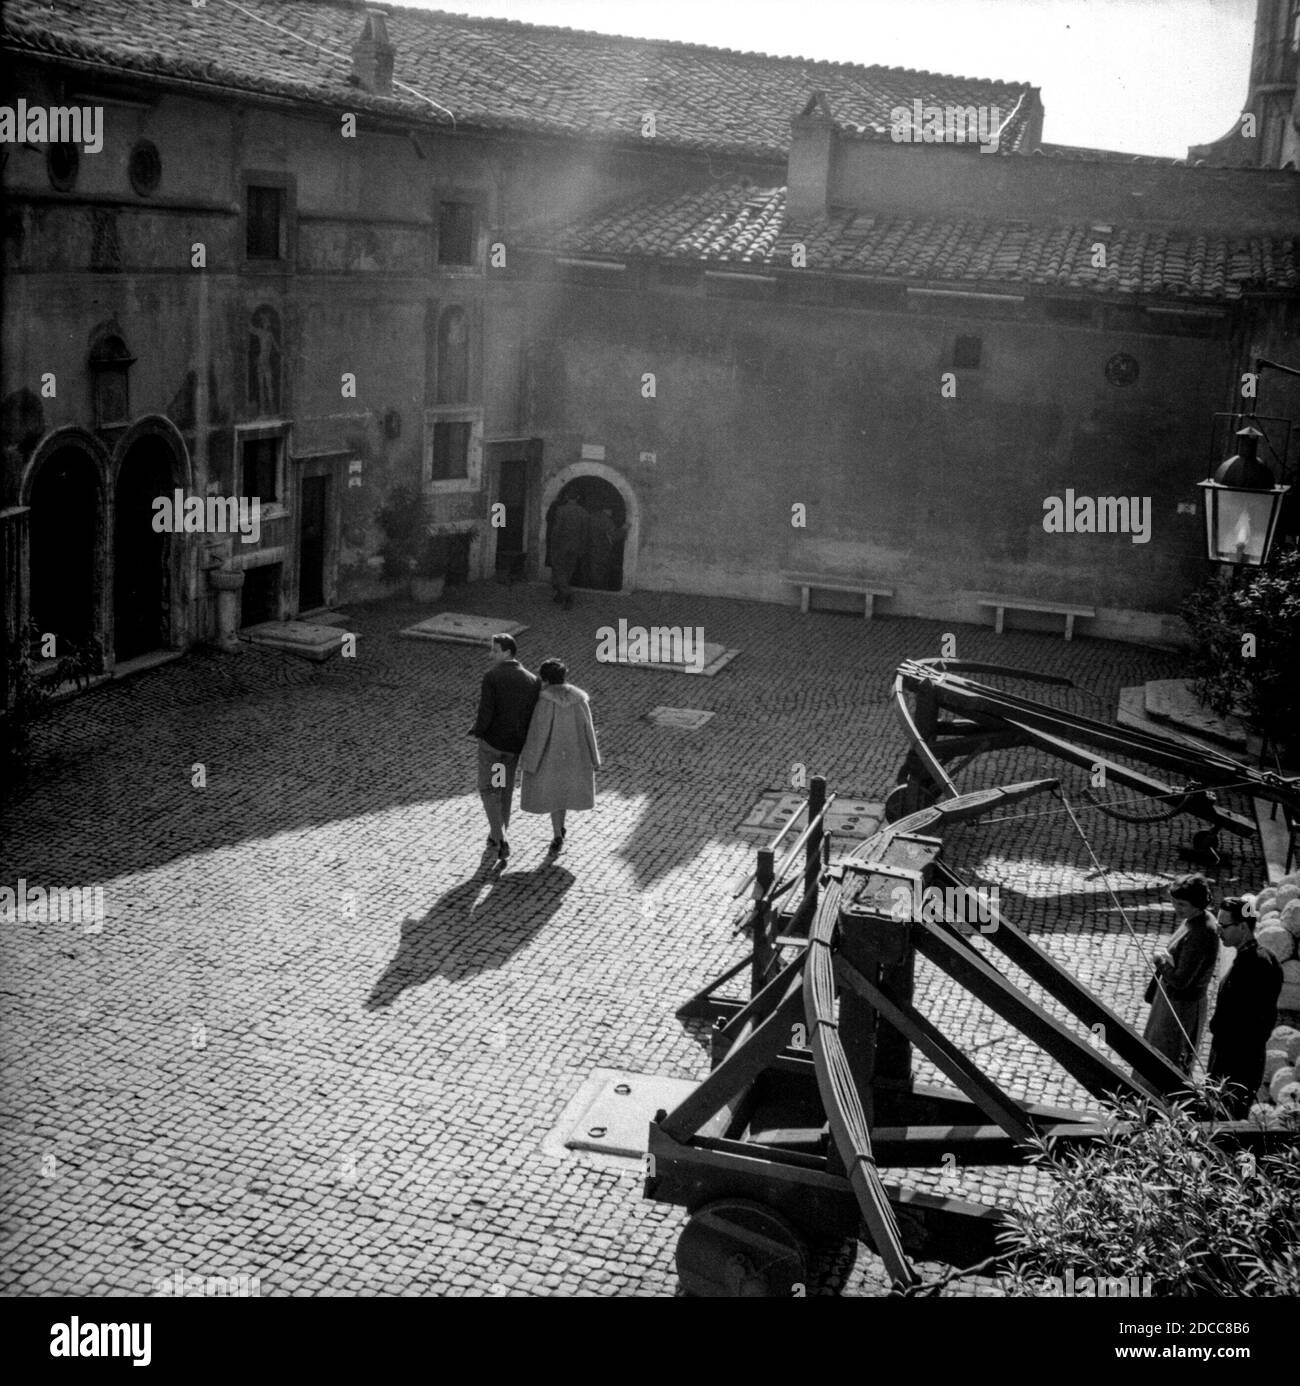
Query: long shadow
(287, 745)
(473, 928)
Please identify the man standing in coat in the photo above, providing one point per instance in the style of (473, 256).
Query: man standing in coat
(505, 707)
(1246, 1010)
(569, 532)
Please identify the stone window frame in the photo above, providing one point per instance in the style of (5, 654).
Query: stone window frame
(473, 479)
(288, 184)
(279, 429)
(475, 200)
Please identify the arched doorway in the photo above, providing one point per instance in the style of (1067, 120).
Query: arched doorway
(601, 568)
(141, 558)
(66, 504)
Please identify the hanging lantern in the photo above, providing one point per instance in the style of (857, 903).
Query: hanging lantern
(1242, 505)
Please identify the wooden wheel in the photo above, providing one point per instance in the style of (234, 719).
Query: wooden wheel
(736, 1248)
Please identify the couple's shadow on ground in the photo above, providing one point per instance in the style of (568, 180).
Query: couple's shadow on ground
(474, 927)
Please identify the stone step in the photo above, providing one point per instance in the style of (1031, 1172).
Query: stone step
(1172, 701)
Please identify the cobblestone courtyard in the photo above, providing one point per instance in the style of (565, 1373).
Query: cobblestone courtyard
(316, 1044)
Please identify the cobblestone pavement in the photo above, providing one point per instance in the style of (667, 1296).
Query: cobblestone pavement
(314, 1043)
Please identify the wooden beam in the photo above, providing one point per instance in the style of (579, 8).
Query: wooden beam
(1164, 1076)
(996, 1104)
(747, 1059)
(967, 967)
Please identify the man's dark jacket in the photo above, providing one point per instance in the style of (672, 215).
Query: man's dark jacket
(1247, 1007)
(505, 706)
(570, 529)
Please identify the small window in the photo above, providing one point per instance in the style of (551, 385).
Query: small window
(456, 233)
(260, 469)
(453, 357)
(966, 353)
(451, 450)
(62, 163)
(145, 167)
(264, 223)
(110, 364)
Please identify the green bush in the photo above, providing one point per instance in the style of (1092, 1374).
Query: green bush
(31, 685)
(1158, 1197)
(1263, 686)
(404, 519)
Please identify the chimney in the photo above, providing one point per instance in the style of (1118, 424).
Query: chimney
(812, 147)
(372, 56)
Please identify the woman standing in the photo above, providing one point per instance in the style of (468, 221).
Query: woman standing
(560, 756)
(1184, 969)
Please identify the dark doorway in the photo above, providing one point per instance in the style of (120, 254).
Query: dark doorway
(260, 600)
(141, 575)
(513, 494)
(64, 536)
(601, 568)
(311, 542)
(458, 558)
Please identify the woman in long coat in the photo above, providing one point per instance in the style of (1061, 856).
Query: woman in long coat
(560, 756)
(1185, 969)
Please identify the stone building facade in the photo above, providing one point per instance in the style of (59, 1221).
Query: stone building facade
(327, 250)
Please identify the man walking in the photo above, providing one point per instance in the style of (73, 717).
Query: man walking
(569, 531)
(505, 708)
(1246, 1011)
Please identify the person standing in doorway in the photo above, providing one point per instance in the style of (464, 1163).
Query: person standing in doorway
(560, 757)
(506, 701)
(605, 539)
(568, 546)
(1245, 1012)
(1184, 968)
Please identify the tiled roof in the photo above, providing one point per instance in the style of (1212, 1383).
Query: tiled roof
(498, 74)
(735, 224)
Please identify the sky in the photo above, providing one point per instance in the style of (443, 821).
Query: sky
(1143, 76)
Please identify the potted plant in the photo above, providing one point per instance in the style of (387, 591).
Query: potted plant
(430, 574)
(404, 519)
(1245, 636)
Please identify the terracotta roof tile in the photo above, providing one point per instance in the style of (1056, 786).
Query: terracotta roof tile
(735, 223)
(495, 73)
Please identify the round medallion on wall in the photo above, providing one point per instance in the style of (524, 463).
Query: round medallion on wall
(62, 162)
(145, 168)
(1122, 369)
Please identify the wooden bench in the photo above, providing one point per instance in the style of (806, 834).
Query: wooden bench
(808, 582)
(1002, 605)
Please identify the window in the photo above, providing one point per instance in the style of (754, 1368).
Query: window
(110, 364)
(260, 469)
(451, 450)
(966, 353)
(456, 233)
(453, 357)
(264, 222)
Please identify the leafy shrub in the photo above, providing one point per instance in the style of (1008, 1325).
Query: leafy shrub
(404, 519)
(1265, 686)
(31, 685)
(1158, 1197)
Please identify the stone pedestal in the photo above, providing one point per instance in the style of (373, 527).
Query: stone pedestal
(228, 583)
